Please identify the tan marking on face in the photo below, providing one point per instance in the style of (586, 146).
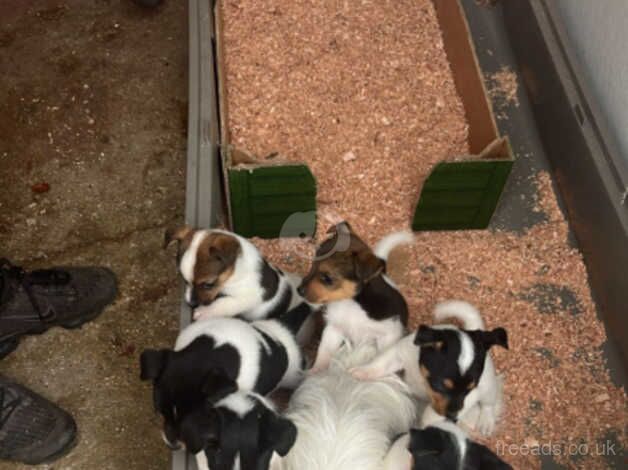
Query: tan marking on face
(215, 264)
(319, 293)
(347, 268)
(471, 386)
(439, 401)
(449, 384)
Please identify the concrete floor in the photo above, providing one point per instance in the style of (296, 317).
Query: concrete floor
(94, 103)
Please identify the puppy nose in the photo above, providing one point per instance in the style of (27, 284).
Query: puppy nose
(193, 299)
(301, 291)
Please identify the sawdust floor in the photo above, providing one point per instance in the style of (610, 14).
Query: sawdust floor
(94, 104)
(371, 125)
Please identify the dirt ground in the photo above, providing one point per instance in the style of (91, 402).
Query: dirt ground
(93, 104)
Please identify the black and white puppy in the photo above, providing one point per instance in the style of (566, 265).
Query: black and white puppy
(441, 446)
(226, 276)
(241, 431)
(361, 302)
(448, 366)
(214, 358)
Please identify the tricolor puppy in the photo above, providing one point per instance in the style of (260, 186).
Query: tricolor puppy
(361, 302)
(344, 423)
(227, 276)
(215, 357)
(448, 366)
(441, 446)
(241, 431)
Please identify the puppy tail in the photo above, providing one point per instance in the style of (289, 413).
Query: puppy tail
(390, 242)
(460, 310)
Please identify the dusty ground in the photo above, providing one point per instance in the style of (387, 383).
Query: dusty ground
(93, 103)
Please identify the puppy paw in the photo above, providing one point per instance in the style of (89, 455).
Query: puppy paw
(486, 420)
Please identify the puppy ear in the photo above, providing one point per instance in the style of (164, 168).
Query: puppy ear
(486, 459)
(217, 386)
(152, 363)
(225, 248)
(426, 336)
(198, 428)
(176, 234)
(341, 227)
(279, 433)
(498, 336)
(367, 266)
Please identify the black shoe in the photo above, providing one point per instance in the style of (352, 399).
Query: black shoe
(32, 302)
(32, 430)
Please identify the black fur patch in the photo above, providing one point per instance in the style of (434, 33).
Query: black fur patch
(433, 448)
(269, 281)
(283, 304)
(273, 365)
(294, 319)
(253, 437)
(381, 301)
(189, 376)
(437, 449)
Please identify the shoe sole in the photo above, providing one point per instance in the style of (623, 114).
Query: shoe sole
(8, 345)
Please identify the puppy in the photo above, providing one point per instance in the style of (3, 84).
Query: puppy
(240, 431)
(227, 276)
(214, 358)
(361, 302)
(449, 366)
(441, 446)
(343, 423)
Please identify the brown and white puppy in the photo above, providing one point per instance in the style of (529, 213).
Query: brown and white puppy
(361, 302)
(227, 276)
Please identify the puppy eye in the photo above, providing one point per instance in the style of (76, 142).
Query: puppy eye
(207, 285)
(326, 279)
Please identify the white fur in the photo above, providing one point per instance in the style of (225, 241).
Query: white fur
(461, 310)
(346, 320)
(390, 242)
(201, 461)
(240, 403)
(483, 404)
(247, 340)
(467, 352)
(274, 329)
(399, 457)
(242, 292)
(343, 423)
(188, 262)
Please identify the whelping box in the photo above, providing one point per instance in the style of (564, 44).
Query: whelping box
(462, 192)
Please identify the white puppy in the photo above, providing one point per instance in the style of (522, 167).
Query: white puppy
(343, 423)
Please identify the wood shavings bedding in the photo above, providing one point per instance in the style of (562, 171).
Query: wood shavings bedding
(310, 80)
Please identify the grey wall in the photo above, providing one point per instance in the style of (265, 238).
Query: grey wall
(595, 34)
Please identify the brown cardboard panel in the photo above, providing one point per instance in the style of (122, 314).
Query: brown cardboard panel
(467, 75)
